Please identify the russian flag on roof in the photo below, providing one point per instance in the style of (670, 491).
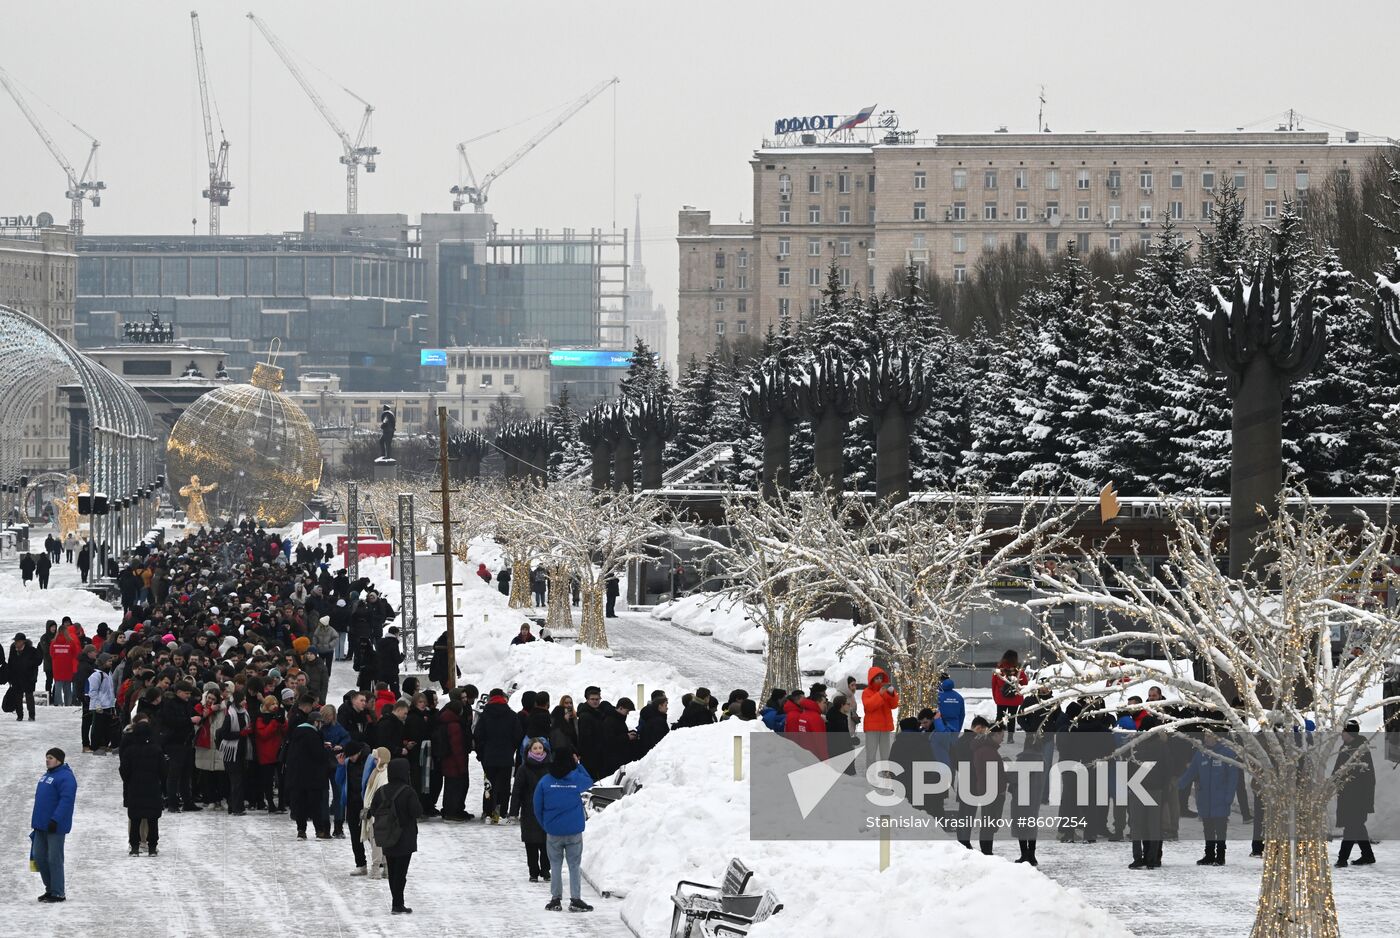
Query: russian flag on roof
(857, 119)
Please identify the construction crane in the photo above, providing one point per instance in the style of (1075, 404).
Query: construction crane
(219, 186)
(476, 193)
(80, 187)
(354, 152)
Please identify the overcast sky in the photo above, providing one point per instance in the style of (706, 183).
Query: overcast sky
(700, 85)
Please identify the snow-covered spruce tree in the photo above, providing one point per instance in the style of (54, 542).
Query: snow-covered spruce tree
(696, 399)
(646, 376)
(1262, 334)
(1265, 641)
(917, 570)
(570, 454)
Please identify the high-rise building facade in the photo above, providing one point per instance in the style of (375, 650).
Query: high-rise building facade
(871, 209)
(37, 270)
(645, 316)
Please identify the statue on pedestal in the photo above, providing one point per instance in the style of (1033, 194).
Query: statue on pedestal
(387, 423)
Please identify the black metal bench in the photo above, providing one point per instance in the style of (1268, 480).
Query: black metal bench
(693, 901)
(600, 796)
(745, 914)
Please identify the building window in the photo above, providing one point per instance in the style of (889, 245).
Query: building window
(784, 247)
(784, 276)
(959, 243)
(959, 211)
(1115, 179)
(920, 179)
(1052, 209)
(719, 261)
(1241, 179)
(843, 247)
(1115, 211)
(784, 307)
(1082, 211)
(814, 214)
(989, 179)
(1270, 179)
(814, 183)
(742, 326)
(814, 305)
(1052, 242)
(1145, 180)
(870, 183)
(921, 211)
(845, 275)
(1052, 179)
(1208, 180)
(959, 179)
(1084, 243)
(719, 304)
(784, 187)
(1270, 208)
(741, 260)
(719, 283)
(919, 242)
(741, 282)
(1207, 210)
(1178, 210)
(814, 276)
(989, 242)
(1023, 211)
(960, 273)
(1300, 180)
(1115, 244)
(1022, 178)
(1022, 241)
(719, 327)
(989, 211)
(843, 215)
(1178, 179)
(1145, 211)
(870, 215)
(784, 216)
(843, 182)
(1145, 243)
(743, 306)
(814, 247)
(509, 378)
(486, 380)
(1081, 179)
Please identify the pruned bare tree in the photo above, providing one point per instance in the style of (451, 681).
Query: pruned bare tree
(1263, 668)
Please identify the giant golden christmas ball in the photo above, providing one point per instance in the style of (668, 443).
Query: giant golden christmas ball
(253, 444)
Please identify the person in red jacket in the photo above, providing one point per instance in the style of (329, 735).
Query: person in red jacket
(63, 655)
(804, 716)
(269, 730)
(879, 701)
(1007, 681)
(383, 697)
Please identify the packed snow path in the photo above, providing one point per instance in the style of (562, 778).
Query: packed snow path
(710, 664)
(220, 875)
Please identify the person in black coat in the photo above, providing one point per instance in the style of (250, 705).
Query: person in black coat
(24, 664)
(503, 580)
(532, 768)
(390, 730)
(26, 568)
(396, 797)
(306, 769)
(587, 721)
(388, 657)
(614, 740)
(142, 770)
(497, 738)
(442, 660)
(563, 729)
(612, 590)
(353, 715)
(652, 725)
(355, 755)
(41, 569)
(1356, 795)
(84, 561)
(177, 723)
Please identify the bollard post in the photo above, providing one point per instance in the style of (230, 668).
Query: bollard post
(641, 695)
(884, 843)
(738, 758)
(485, 619)
(578, 656)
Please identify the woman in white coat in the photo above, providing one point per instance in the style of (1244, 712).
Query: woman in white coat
(378, 776)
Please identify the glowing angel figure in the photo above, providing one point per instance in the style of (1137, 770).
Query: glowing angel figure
(193, 494)
(67, 508)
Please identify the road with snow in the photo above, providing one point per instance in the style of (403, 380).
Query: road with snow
(710, 664)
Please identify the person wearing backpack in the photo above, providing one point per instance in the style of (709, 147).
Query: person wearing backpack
(396, 810)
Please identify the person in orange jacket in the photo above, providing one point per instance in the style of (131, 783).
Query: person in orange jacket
(879, 701)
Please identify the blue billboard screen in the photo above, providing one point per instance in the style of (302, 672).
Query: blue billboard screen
(589, 358)
(432, 358)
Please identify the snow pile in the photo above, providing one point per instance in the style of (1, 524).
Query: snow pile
(21, 604)
(733, 624)
(643, 844)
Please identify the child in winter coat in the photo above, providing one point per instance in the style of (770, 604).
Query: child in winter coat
(532, 768)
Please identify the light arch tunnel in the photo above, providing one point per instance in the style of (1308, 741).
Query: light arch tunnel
(123, 465)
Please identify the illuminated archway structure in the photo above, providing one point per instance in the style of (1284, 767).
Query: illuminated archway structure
(122, 470)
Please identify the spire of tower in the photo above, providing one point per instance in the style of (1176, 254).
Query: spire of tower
(637, 235)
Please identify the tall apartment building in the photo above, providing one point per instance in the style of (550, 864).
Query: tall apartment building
(875, 208)
(37, 274)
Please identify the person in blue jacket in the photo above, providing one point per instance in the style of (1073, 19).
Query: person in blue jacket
(1216, 781)
(951, 708)
(772, 712)
(51, 821)
(558, 804)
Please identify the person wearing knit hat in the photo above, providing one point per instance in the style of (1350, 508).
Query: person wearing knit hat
(288, 694)
(300, 644)
(168, 638)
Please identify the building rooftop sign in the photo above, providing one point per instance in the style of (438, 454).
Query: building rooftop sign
(590, 358)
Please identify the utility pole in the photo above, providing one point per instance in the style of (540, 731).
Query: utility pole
(450, 681)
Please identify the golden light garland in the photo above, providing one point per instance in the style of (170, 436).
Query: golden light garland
(254, 443)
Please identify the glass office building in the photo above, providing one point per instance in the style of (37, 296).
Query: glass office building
(352, 307)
